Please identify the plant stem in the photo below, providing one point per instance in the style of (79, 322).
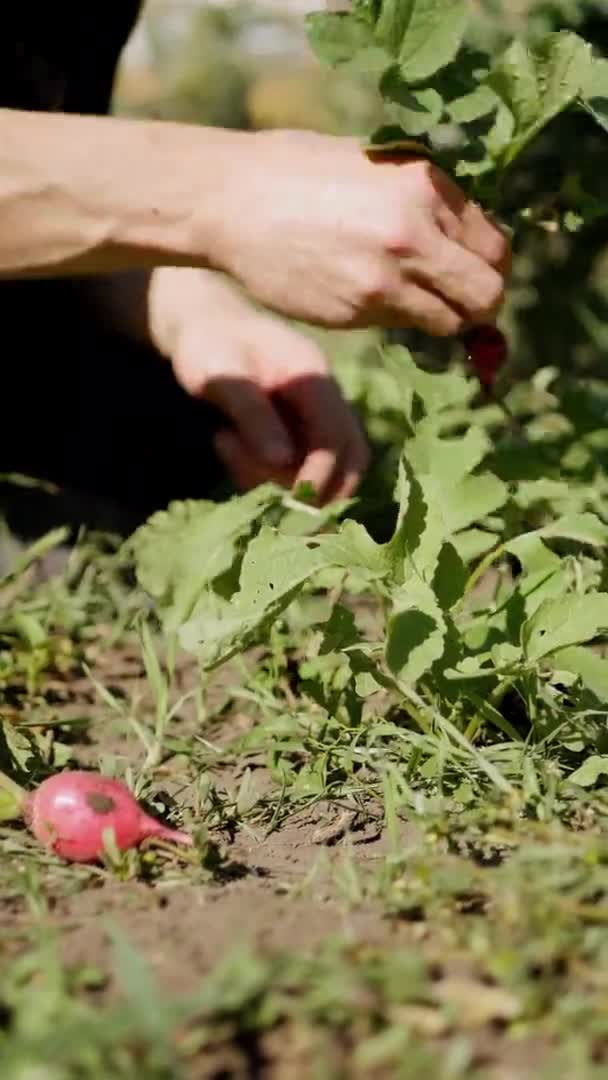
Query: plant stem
(481, 568)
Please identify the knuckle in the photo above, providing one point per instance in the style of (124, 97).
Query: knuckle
(374, 286)
(403, 234)
(489, 295)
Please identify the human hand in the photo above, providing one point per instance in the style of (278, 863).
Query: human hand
(316, 230)
(289, 421)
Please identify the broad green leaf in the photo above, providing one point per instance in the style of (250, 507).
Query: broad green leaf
(556, 492)
(275, 567)
(415, 111)
(595, 91)
(420, 530)
(472, 667)
(350, 548)
(464, 498)
(588, 774)
(415, 632)
(366, 685)
(500, 135)
(472, 106)
(473, 499)
(424, 35)
(274, 570)
(590, 668)
(436, 392)
(506, 655)
(536, 86)
(181, 550)
(451, 460)
(302, 520)
(542, 577)
(535, 556)
(543, 574)
(584, 528)
(222, 628)
(473, 166)
(338, 37)
(443, 494)
(484, 154)
(472, 543)
(514, 79)
(368, 671)
(571, 620)
(420, 115)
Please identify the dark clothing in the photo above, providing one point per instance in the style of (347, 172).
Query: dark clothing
(51, 58)
(98, 416)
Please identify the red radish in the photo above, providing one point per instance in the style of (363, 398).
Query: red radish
(487, 351)
(70, 812)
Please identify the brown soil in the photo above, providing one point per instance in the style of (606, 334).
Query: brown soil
(271, 891)
(185, 929)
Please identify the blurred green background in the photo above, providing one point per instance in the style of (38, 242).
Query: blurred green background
(237, 65)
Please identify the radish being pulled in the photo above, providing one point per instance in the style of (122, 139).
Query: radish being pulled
(487, 351)
(70, 813)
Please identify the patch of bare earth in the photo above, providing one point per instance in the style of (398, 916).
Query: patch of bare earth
(273, 890)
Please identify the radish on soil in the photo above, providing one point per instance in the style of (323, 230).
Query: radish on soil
(71, 812)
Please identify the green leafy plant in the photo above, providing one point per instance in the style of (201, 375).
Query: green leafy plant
(476, 113)
(456, 661)
(490, 590)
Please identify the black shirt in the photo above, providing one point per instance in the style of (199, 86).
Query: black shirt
(55, 55)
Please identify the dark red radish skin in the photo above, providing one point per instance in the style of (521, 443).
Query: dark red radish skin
(70, 813)
(487, 352)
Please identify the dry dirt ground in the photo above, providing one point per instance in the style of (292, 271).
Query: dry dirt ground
(293, 885)
(270, 888)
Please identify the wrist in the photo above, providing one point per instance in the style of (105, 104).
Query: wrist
(175, 207)
(180, 297)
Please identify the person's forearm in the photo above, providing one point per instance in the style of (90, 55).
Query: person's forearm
(82, 195)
